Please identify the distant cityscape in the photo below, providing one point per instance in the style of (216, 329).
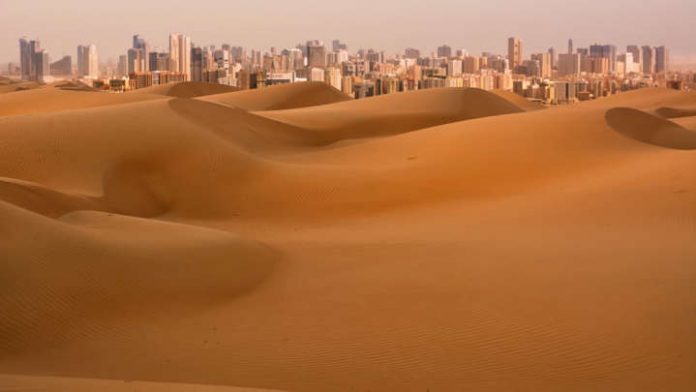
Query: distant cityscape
(552, 77)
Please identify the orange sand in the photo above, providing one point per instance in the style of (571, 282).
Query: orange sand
(293, 239)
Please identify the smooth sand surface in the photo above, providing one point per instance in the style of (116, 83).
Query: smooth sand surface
(291, 239)
(288, 96)
(65, 384)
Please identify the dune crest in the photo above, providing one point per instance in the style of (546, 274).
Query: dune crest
(292, 238)
(650, 129)
(672, 112)
(185, 90)
(393, 114)
(117, 263)
(284, 96)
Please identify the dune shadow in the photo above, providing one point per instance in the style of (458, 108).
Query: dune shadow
(650, 129)
(671, 112)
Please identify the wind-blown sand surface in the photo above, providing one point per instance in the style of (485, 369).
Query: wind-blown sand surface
(293, 239)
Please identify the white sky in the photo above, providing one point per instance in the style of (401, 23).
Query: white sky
(390, 25)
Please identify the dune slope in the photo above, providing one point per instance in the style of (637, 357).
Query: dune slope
(184, 90)
(396, 113)
(290, 239)
(650, 129)
(285, 96)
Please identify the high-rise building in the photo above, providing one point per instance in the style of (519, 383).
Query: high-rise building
(605, 51)
(93, 62)
(552, 55)
(648, 60)
(569, 64)
(471, 64)
(514, 51)
(33, 60)
(444, 51)
(122, 65)
(197, 64)
(140, 43)
(333, 77)
(337, 45)
(87, 61)
(180, 54)
(661, 59)
(454, 67)
(570, 46)
(544, 59)
(635, 50)
(347, 85)
(26, 56)
(237, 54)
(595, 65)
(411, 53)
(316, 55)
(136, 61)
(157, 61)
(627, 63)
(316, 75)
(43, 65)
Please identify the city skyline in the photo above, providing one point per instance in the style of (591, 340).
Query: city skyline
(409, 25)
(580, 74)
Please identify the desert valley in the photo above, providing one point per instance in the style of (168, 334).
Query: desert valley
(194, 237)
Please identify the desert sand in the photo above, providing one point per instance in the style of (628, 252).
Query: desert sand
(193, 237)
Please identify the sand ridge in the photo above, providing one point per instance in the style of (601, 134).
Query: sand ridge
(291, 238)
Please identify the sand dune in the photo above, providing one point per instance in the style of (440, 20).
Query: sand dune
(686, 122)
(9, 86)
(670, 112)
(292, 239)
(651, 129)
(287, 96)
(394, 114)
(118, 264)
(54, 99)
(185, 90)
(66, 384)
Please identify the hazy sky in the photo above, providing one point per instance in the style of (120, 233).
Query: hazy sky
(390, 25)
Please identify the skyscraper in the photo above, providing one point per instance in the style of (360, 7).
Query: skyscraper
(605, 51)
(140, 43)
(180, 54)
(454, 67)
(411, 53)
(514, 51)
(552, 55)
(544, 60)
(87, 62)
(569, 64)
(648, 60)
(197, 64)
(34, 62)
(136, 61)
(570, 46)
(635, 51)
(158, 61)
(123, 65)
(316, 54)
(444, 51)
(42, 64)
(471, 64)
(25, 56)
(661, 59)
(337, 45)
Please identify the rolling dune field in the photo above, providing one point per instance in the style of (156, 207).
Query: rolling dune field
(192, 237)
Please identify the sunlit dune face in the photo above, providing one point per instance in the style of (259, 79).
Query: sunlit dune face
(194, 237)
